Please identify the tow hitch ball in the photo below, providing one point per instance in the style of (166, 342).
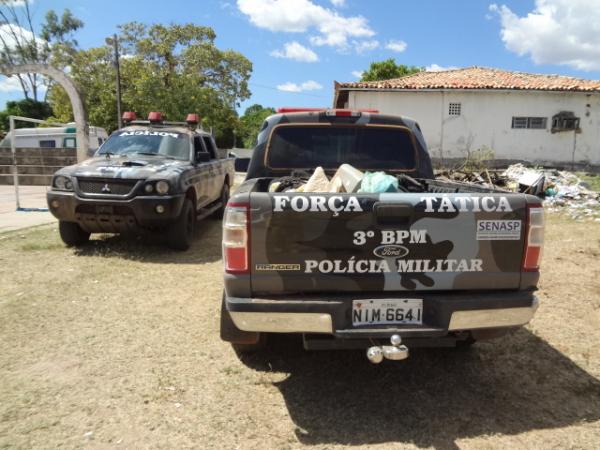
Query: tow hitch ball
(395, 352)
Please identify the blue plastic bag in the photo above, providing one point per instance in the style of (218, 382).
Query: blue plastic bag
(378, 182)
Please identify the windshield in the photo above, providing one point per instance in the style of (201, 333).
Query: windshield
(364, 147)
(163, 143)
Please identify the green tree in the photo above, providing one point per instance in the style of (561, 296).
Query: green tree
(19, 43)
(24, 108)
(59, 44)
(250, 123)
(388, 69)
(175, 69)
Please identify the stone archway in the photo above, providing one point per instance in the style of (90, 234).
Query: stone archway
(79, 112)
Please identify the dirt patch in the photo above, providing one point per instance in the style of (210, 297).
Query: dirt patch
(116, 345)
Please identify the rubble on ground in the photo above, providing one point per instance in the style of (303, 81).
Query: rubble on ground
(486, 178)
(560, 190)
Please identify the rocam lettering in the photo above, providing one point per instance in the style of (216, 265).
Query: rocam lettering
(316, 203)
(149, 133)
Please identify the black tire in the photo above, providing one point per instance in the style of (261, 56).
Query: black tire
(181, 233)
(466, 344)
(219, 213)
(241, 341)
(72, 234)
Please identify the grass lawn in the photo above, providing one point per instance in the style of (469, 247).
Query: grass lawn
(116, 345)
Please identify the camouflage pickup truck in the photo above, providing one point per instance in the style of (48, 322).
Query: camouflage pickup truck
(150, 176)
(438, 263)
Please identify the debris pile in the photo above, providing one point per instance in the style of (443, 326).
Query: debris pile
(484, 178)
(561, 190)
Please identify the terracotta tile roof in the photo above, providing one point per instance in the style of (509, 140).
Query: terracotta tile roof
(480, 78)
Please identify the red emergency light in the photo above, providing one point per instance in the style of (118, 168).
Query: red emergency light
(155, 117)
(192, 119)
(129, 116)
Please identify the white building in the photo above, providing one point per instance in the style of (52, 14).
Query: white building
(541, 119)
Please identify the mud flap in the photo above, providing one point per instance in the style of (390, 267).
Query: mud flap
(231, 333)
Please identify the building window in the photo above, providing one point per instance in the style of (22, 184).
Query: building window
(565, 121)
(48, 144)
(535, 123)
(69, 142)
(454, 109)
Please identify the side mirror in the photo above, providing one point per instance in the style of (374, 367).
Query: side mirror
(232, 155)
(202, 157)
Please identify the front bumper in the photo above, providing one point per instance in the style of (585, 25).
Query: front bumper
(442, 313)
(106, 215)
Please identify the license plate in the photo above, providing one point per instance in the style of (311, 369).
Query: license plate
(405, 311)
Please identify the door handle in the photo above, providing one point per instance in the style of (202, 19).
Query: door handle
(398, 213)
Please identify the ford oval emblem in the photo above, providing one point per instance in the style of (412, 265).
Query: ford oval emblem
(390, 251)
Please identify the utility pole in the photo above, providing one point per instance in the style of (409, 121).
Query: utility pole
(118, 70)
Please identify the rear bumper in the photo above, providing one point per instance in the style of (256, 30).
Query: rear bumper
(442, 313)
(98, 215)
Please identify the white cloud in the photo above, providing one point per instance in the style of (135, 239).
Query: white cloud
(15, 3)
(9, 35)
(10, 84)
(338, 3)
(437, 68)
(565, 32)
(365, 46)
(396, 46)
(8, 32)
(357, 73)
(309, 85)
(299, 16)
(297, 52)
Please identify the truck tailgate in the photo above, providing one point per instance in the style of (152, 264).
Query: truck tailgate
(385, 242)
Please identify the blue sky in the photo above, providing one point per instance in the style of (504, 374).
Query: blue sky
(335, 39)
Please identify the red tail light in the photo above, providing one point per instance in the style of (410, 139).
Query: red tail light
(236, 238)
(349, 112)
(534, 238)
(342, 113)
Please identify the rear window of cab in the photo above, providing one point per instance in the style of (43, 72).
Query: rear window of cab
(371, 147)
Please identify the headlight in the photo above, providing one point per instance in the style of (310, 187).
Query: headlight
(63, 183)
(162, 187)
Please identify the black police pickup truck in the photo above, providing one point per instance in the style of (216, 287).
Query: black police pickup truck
(150, 175)
(430, 263)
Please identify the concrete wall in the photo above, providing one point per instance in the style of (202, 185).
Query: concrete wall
(486, 121)
(35, 166)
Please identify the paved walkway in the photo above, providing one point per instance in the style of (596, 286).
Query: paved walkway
(30, 197)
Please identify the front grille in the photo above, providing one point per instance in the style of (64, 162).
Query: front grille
(116, 210)
(106, 187)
